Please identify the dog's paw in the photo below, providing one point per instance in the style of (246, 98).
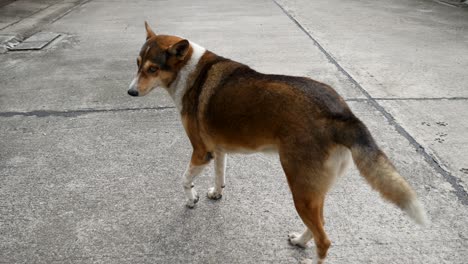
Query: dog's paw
(296, 240)
(191, 202)
(308, 261)
(213, 194)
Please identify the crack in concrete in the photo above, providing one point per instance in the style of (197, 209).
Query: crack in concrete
(407, 99)
(80, 4)
(28, 16)
(75, 113)
(459, 190)
(420, 98)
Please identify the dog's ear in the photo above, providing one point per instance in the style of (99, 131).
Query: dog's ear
(180, 49)
(149, 32)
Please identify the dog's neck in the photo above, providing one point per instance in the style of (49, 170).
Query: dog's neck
(180, 85)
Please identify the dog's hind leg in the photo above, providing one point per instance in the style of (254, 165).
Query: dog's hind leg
(309, 180)
(309, 211)
(301, 240)
(216, 192)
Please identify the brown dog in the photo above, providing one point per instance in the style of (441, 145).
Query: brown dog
(226, 107)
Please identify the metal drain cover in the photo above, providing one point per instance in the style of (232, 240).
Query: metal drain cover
(36, 41)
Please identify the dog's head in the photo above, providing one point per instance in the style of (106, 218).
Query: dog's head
(159, 61)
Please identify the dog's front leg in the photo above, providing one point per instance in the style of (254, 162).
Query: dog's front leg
(216, 192)
(191, 172)
(195, 167)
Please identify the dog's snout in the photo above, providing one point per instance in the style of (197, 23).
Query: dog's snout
(133, 92)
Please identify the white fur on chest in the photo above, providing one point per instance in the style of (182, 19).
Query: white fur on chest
(178, 88)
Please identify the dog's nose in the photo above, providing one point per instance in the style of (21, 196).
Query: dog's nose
(133, 92)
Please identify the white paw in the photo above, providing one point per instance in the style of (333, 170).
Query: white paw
(213, 194)
(307, 261)
(296, 240)
(192, 201)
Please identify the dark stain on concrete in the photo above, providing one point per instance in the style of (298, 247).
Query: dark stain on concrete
(75, 113)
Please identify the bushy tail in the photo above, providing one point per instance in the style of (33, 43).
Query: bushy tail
(380, 173)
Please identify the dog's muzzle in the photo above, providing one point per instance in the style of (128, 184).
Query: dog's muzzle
(132, 89)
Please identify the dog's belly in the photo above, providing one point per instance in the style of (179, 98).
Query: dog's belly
(269, 149)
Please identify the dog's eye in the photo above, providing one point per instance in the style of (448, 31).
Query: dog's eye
(152, 69)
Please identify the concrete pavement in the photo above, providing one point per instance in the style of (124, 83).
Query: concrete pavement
(90, 175)
(410, 57)
(19, 19)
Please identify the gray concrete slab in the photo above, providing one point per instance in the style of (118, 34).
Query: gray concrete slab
(14, 11)
(106, 187)
(5, 2)
(6, 22)
(24, 18)
(5, 38)
(21, 9)
(395, 48)
(390, 56)
(36, 42)
(90, 175)
(42, 36)
(101, 52)
(440, 126)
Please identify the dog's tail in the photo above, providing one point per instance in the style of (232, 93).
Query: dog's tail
(380, 173)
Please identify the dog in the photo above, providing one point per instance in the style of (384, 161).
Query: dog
(227, 107)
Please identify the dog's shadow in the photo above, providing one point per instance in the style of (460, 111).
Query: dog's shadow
(208, 234)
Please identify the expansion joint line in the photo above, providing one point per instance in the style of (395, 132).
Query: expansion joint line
(75, 113)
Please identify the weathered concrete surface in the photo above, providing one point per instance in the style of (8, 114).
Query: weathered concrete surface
(395, 48)
(441, 127)
(16, 10)
(101, 50)
(88, 175)
(22, 18)
(105, 187)
(400, 50)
